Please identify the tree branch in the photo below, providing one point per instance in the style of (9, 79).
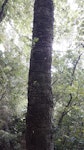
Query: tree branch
(65, 111)
(2, 96)
(74, 68)
(2, 10)
(70, 100)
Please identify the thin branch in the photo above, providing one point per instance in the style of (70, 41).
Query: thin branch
(65, 111)
(70, 100)
(54, 82)
(74, 68)
(2, 13)
(2, 96)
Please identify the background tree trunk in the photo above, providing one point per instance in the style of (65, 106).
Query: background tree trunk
(40, 103)
(3, 10)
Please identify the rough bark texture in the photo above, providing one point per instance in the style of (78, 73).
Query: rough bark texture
(40, 103)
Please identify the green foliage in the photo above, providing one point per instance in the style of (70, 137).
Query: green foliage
(14, 62)
(68, 96)
(68, 76)
(67, 73)
(9, 141)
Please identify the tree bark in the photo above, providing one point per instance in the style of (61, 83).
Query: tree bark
(40, 102)
(3, 11)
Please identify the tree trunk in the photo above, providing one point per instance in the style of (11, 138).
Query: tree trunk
(3, 10)
(40, 102)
